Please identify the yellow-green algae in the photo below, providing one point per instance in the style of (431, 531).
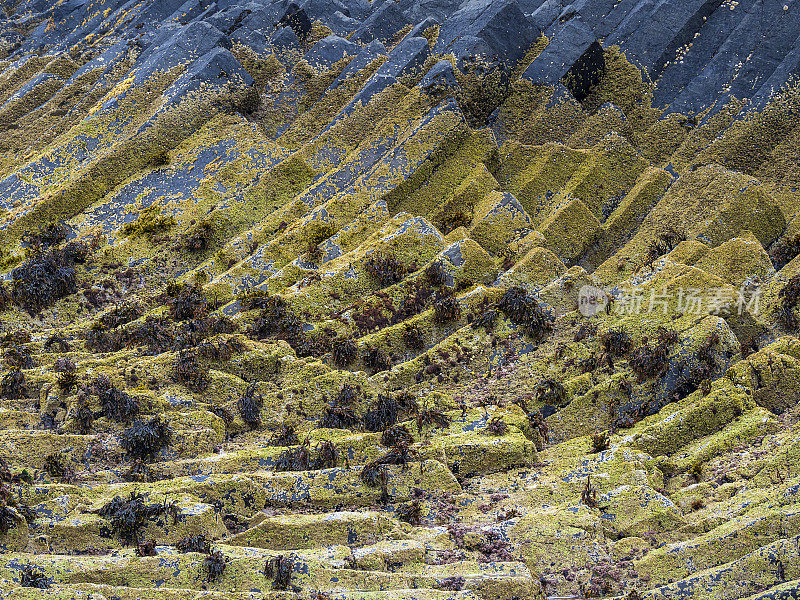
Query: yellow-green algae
(594, 196)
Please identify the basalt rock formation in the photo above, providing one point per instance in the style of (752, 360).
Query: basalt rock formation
(402, 299)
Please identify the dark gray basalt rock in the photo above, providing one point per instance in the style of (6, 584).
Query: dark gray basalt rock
(504, 30)
(329, 50)
(574, 57)
(245, 215)
(382, 24)
(440, 80)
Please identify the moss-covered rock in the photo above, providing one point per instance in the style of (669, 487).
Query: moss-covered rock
(538, 267)
(294, 532)
(770, 373)
(351, 396)
(499, 218)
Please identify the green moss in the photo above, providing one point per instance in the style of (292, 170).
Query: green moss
(317, 84)
(688, 252)
(589, 410)
(317, 116)
(609, 173)
(537, 268)
(628, 215)
(436, 188)
(535, 50)
(398, 36)
(61, 65)
(293, 532)
(743, 430)
(262, 69)
(637, 510)
(497, 222)
(425, 151)
(606, 120)
(772, 375)
(46, 122)
(623, 85)
(276, 188)
(557, 538)
(710, 204)
(737, 260)
(694, 417)
(702, 136)
(728, 542)
(318, 32)
(748, 143)
(14, 109)
(570, 230)
(431, 34)
(150, 220)
(457, 210)
(474, 453)
(665, 137)
(477, 266)
(527, 116)
(13, 79)
(534, 174)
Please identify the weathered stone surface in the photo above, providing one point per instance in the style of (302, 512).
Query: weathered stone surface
(299, 531)
(496, 32)
(305, 278)
(574, 57)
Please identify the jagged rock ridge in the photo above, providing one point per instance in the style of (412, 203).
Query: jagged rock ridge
(291, 299)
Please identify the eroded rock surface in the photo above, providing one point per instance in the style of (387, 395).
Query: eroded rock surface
(294, 299)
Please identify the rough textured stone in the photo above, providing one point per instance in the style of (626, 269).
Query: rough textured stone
(309, 278)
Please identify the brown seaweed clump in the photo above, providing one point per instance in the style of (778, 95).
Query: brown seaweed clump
(188, 371)
(385, 268)
(44, 278)
(789, 296)
(372, 472)
(525, 310)
(496, 426)
(616, 342)
(299, 459)
(145, 439)
(114, 403)
(194, 543)
(214, 565)
(280, 569)
(344, 351)
(127, 516)
(33, 578)
(12, 386)
(249, 405)
(384, 412)
(411, 513)
(447, 309)
(651, 360)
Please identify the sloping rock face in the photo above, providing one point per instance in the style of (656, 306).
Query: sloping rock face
(401, 299)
